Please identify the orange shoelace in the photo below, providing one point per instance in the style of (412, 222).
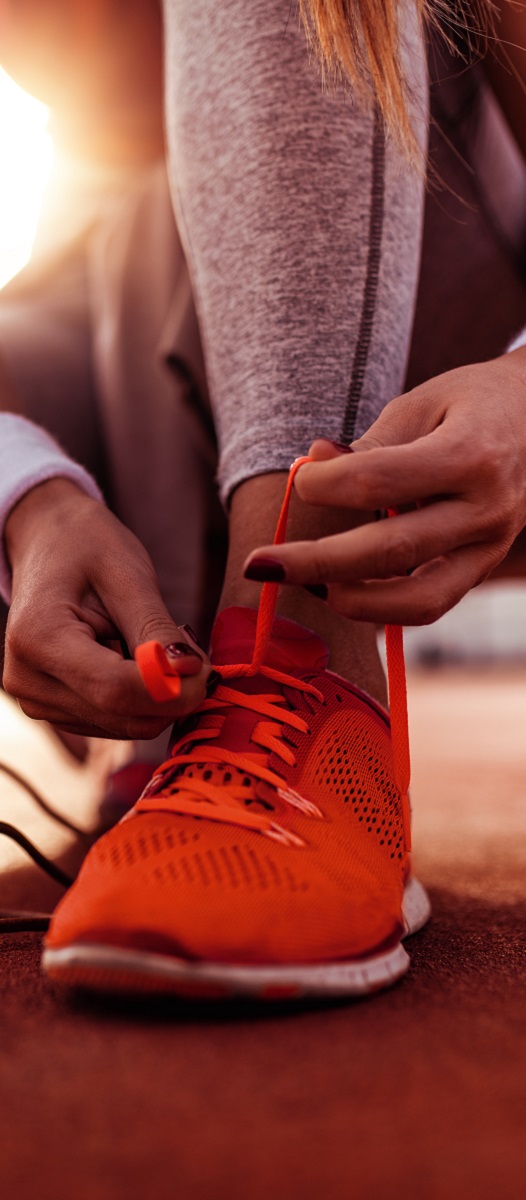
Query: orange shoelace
(227, 802)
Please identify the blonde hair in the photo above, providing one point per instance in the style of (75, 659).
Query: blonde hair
(359, 41)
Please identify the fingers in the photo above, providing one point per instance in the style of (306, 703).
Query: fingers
(377, 550)
(64, 721)
(412, 415)
(71, 593)
(70, 678)
(420, 598)
(133, 601)
(147, 622)
(390, 476)
(404, 419)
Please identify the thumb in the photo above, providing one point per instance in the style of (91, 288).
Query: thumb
(403, 420)
(168, 657)
(335, 470)
(139, 613)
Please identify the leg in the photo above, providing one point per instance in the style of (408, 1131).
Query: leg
(152, 397)
(306, 293)
(254, 512)
(299, 229)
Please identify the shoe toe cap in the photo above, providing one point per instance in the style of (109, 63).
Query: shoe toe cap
(230, 900)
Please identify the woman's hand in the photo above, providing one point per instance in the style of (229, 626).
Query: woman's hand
(456, 448)
(80, 579)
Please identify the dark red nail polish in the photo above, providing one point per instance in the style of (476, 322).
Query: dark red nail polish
(343, 447)
(188, 629)
(265, 570)
(319, 590)
(180, 650)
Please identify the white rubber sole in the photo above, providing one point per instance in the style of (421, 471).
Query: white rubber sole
(112, 970)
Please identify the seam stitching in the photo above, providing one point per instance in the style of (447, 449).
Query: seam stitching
(376, 225)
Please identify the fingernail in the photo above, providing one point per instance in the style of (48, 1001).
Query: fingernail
(188, 629)
(343, 447)
(265, 570)
(320, 590)
(180, 650)
(214, 679)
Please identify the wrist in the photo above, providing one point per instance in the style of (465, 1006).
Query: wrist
(50, 502)
(29, 456)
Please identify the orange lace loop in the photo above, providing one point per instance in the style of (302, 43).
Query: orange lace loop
(269, 591)
(225, 802)
(270, 738)
(269, 706)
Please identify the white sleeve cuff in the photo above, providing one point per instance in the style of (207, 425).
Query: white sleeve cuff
(29, 456)
(518, 341)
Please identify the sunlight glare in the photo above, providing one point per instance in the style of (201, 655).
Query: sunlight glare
(26, 154)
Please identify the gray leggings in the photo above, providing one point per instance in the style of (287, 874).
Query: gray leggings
(301, 227)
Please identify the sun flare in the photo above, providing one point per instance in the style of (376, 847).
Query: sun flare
(26, 154)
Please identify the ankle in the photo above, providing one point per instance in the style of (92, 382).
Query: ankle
(254, 512)
(352, 645)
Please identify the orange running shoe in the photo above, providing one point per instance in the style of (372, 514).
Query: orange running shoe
(269, 855)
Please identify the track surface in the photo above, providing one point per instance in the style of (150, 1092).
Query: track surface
(417, 1092)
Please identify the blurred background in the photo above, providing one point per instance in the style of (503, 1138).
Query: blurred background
(26, 157)
(453, 1033)
(488, 626)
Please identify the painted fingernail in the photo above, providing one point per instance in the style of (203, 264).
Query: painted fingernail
(343, 447)
(265, 570)
(180, 650)
(214, 679)
(188, 629)
(320, 590)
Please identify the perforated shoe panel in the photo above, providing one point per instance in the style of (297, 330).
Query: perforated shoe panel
(213, 891)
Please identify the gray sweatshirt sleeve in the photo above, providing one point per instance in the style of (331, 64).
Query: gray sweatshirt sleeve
(301, 226)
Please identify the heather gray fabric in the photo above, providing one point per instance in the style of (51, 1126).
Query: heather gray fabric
(301, 228)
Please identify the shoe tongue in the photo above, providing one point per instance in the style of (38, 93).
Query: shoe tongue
(292, 648)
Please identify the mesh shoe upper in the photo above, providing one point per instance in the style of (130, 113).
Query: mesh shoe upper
(274, 834)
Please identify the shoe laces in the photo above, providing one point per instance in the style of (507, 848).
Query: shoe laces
(173, 789)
